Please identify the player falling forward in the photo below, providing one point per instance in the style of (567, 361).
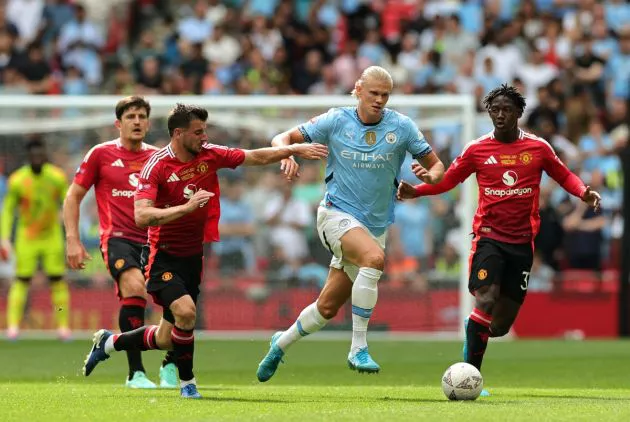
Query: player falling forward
(113, 169)
(36, 190)
(508, 163)
(174, 186)
(368, 144)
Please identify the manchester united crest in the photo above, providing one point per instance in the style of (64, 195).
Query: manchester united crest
(119, 263)
(370, 137)
(482, 274)
(167, 276)
(202, 168)
(526, 157)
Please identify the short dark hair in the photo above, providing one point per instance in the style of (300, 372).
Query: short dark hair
(134, 101)
(181, 116)
(34, 142)
(506, 91)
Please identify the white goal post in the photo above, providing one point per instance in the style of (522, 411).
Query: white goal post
(267, 115)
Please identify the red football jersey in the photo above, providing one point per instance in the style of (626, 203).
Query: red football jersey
(508, 175)
(168, 182)
(114, 172)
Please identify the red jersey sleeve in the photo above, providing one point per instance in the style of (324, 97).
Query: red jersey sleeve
(88, 171)
(459, 170)
(148, 183)
(228, 157)
(559, 172)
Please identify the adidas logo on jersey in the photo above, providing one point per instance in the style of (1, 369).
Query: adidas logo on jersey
(491, 160)
(173, 178)
(118, 163)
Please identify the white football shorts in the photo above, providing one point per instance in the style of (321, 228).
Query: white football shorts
(332, 224)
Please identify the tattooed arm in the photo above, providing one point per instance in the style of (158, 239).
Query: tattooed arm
(146, 214)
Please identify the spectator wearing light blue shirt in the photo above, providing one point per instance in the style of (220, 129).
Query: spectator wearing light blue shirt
(618, 68)
(617, 14)
(236, 225)
(596, 144)
(413, 227)
(79, 43)
(196, 28)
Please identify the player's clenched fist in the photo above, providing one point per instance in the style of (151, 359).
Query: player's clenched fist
(310, 151)
(199, 199)
(592, 198)
(405, 191)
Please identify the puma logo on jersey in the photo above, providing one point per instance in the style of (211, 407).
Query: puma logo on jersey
(118, 163)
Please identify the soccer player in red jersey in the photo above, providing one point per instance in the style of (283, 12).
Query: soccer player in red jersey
(508, 163)
(174, 187)
(113, 169)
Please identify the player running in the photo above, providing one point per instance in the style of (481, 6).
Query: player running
(36, 190)
(113, 168)
(508, 163)
(368, 144)
(172, 199)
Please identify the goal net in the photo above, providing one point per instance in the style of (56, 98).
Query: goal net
(261, 280)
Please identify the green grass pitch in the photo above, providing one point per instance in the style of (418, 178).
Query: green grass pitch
(529, 381)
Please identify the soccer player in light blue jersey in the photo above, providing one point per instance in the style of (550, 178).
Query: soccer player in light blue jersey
(367, 145)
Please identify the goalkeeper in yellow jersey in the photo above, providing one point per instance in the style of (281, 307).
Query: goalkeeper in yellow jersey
(34, 195)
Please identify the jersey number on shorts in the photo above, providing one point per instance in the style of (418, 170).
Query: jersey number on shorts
(525, 280)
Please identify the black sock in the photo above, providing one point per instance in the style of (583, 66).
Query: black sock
(477, 333)
(140, 339)
(169, 357)
(184, 348)
(131, 317)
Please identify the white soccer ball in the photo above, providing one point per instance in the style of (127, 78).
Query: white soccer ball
(462, 381)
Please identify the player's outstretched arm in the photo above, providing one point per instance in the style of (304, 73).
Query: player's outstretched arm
(569, 181)
(76, 254)
(262, 156)
(289, 166)
(146, 214)
(430, 169)
(408, 191)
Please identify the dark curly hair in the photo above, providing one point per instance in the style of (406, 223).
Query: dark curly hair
(181, 116)
(506, 91)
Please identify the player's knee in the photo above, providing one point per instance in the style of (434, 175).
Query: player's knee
(374, 259)
(133, 288)
(185, 317)
(131, 283)
(485, 300)
(499, 330)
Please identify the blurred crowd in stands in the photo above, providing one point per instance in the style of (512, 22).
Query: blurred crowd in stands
(571, 58)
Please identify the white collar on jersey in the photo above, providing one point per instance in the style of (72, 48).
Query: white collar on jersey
(119, 144)
(521, 134)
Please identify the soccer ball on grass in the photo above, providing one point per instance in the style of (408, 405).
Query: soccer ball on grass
(462, 381)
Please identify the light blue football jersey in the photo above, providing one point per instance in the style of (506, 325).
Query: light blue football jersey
(364, 161)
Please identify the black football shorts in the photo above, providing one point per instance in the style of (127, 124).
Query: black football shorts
(506, 264)
(171, 277)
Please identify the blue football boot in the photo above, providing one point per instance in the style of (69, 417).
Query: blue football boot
(268, 366)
